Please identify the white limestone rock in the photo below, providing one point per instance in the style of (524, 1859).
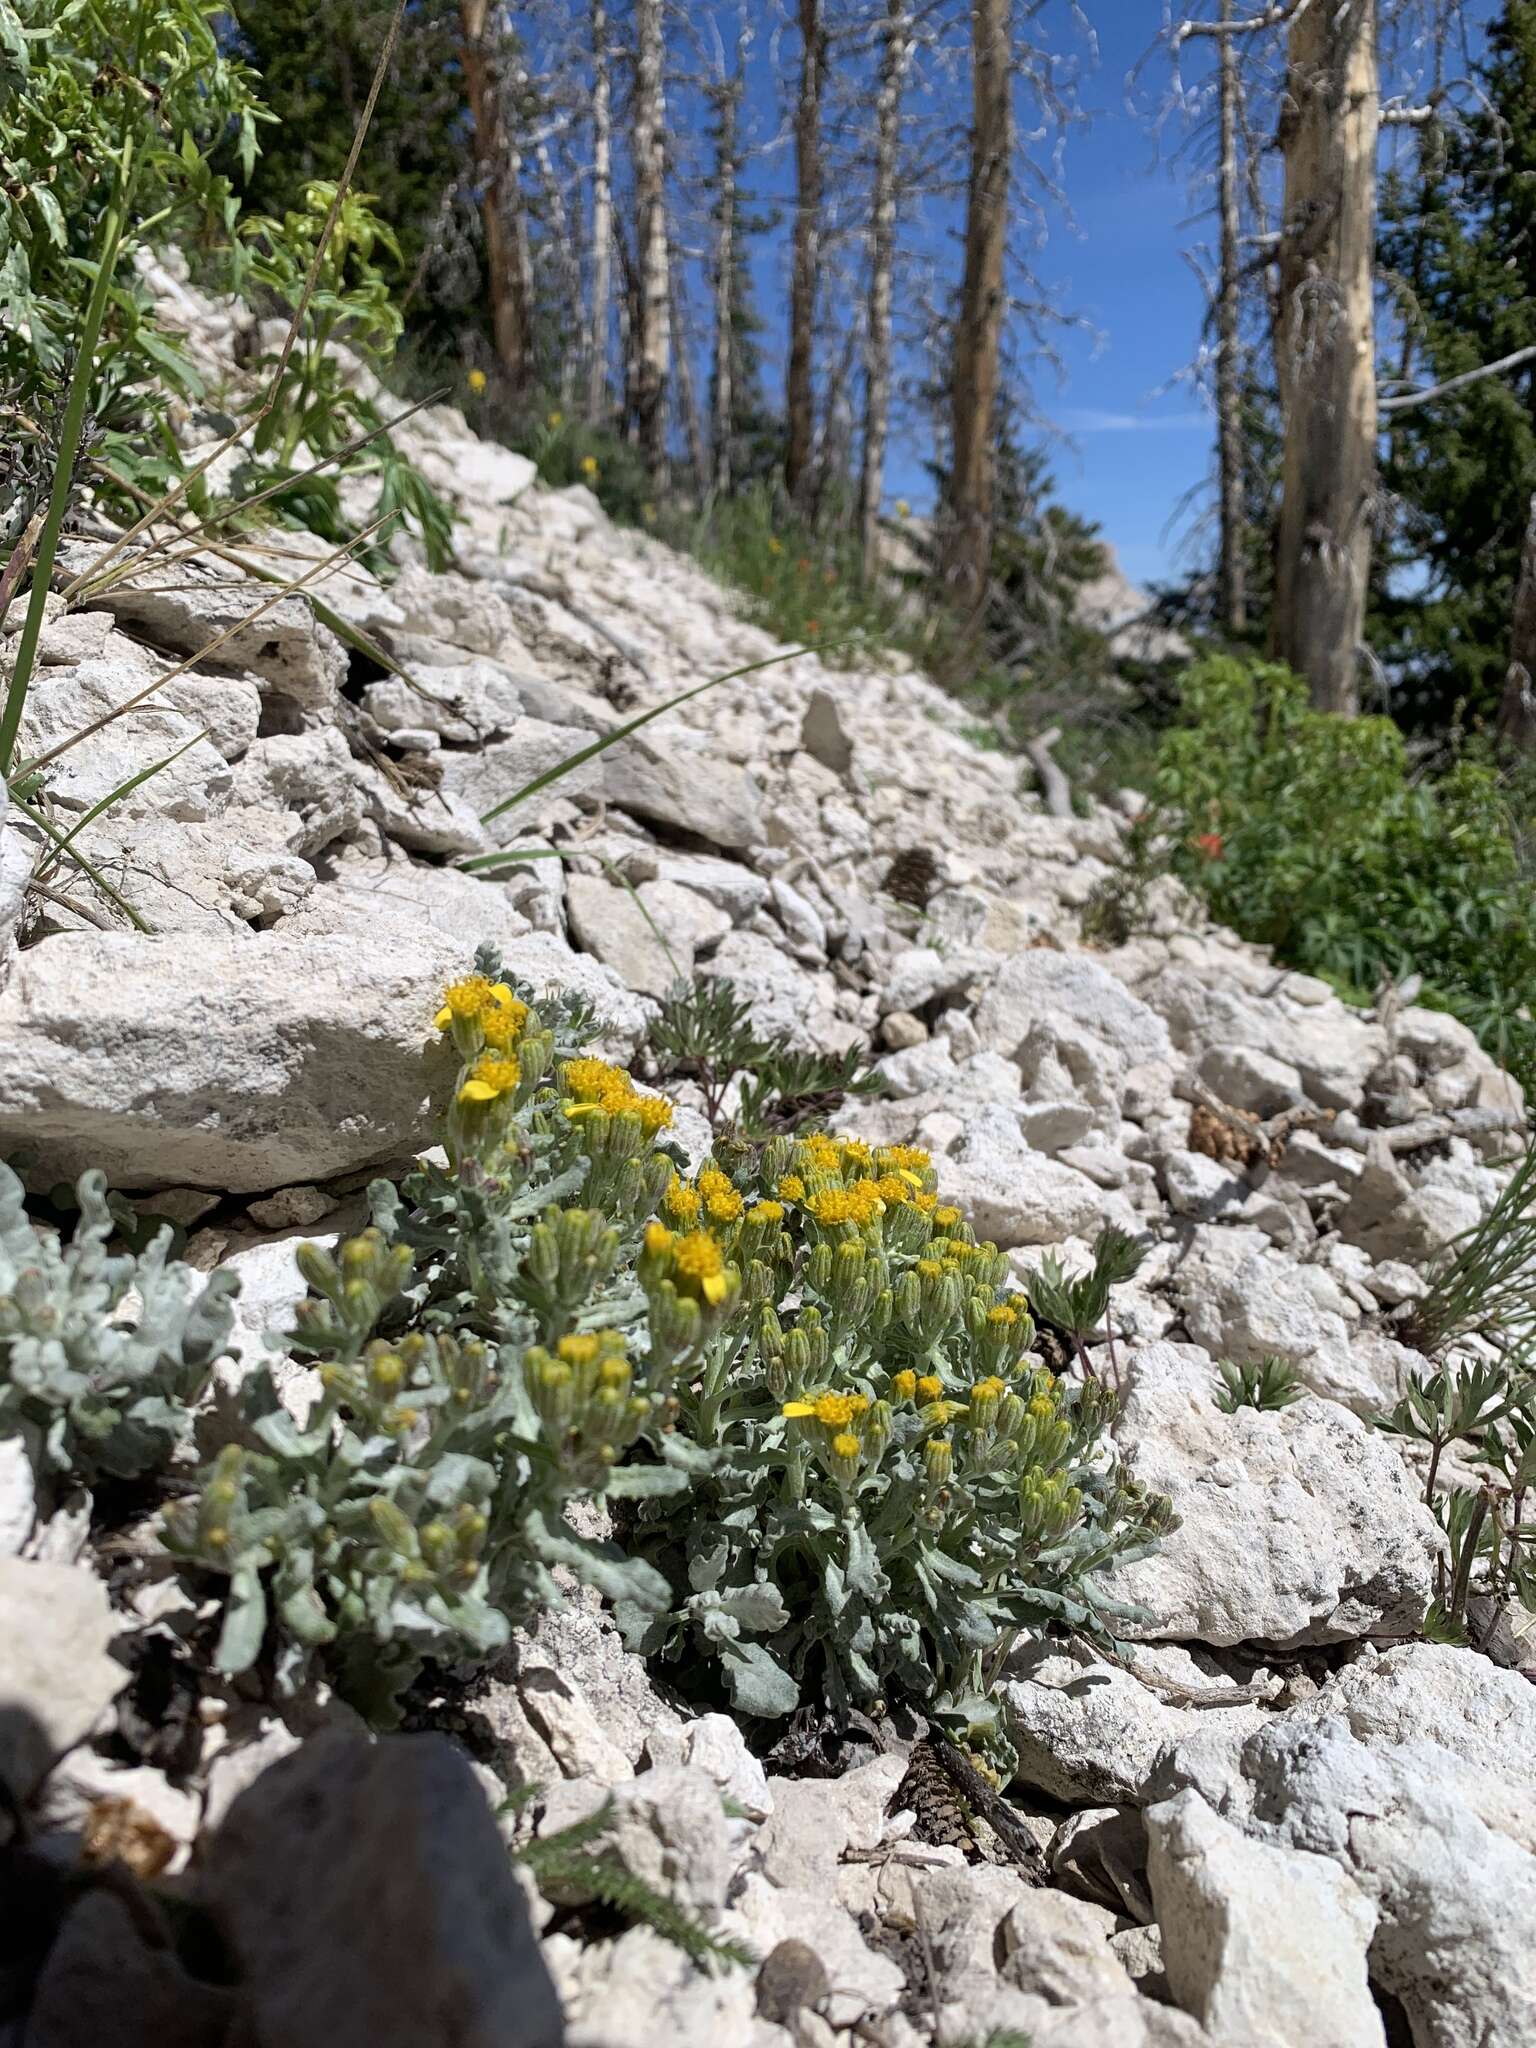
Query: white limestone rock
(1265, 1946)
(1299, 1525)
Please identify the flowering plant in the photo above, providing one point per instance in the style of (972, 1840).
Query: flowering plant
(843, 1472)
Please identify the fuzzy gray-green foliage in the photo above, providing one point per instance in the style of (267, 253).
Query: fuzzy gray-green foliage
(102, 1354)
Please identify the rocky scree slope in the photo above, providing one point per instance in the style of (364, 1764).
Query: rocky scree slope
(1292, 1821)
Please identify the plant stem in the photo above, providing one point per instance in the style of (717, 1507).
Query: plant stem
(69, 447)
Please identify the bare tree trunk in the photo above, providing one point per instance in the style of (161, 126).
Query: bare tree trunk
(505, 276)
(568, 263)
(722, 396)
(1517, 711)
(687, 398)
(602, 220)
(894, 60)
(799, 395)
(653, 347)
(967, 542)
(1229, 365)
(1326, 361)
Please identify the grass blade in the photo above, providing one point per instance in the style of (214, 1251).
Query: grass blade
(70, 431)
(112, 798)
(611, 739)
(92, 874)
(321, 568)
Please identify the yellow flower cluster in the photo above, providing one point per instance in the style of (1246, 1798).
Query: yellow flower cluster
(694, 1262)
(722, 1203)
(593, 1084)
(832, 1411)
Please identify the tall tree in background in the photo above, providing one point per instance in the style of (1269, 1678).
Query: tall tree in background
(799, 392)
(1229, 355)
(507, 274)
(600, 304)
(652, 340)
(974, 380)
(1326, 346)
(726, 95)
(895, 57)
(1459, 246)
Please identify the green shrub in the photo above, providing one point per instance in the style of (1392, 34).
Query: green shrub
(132, 112)
(702, 1032)
(102, 1354)
(77, 85)
(846, 1476)
(1310, 833)
(894, 1483)
(1491, 1411)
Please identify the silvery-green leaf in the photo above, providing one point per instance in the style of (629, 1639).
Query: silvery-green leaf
(245, 1623)
(759, 1608)
(757, 1684)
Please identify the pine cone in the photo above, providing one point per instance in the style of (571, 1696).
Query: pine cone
(912, 877)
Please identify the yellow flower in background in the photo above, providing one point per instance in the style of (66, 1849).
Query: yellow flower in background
(557, 419)
(589, 467)
(648, 513)
(476, 380)
(903, 509)
(775, 545)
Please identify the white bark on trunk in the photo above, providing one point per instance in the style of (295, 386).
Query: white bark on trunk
(894, 60)
(1326, 348)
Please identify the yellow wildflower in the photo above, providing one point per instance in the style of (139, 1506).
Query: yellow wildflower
(904, 1384)
(775, 545)
(589, 1080)
(476, 381)
(847, 1445)
(578, 1349)
(903, 1159)
(824, 1153)
(903, 509)
(557, 419)
(946, 1218)
(681, 1202)
(1002, 1314)
(859, 1204)
(490, 1078)
(474, 998)
(791, 1188)
(930, 1387)
(1043, 1408)
(766, 1212)
(589, 467)
(654, 1111)
(721, 1199)
(697, 1258)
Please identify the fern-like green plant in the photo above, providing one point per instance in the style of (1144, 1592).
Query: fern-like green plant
(1271, 1384)
(703, 1033)
(572, 1864)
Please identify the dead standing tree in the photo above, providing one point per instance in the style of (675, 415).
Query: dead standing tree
(799, 384)
(895, 60)
(1327, 358)
(652, 341)
(501, 212)
(966, 543)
